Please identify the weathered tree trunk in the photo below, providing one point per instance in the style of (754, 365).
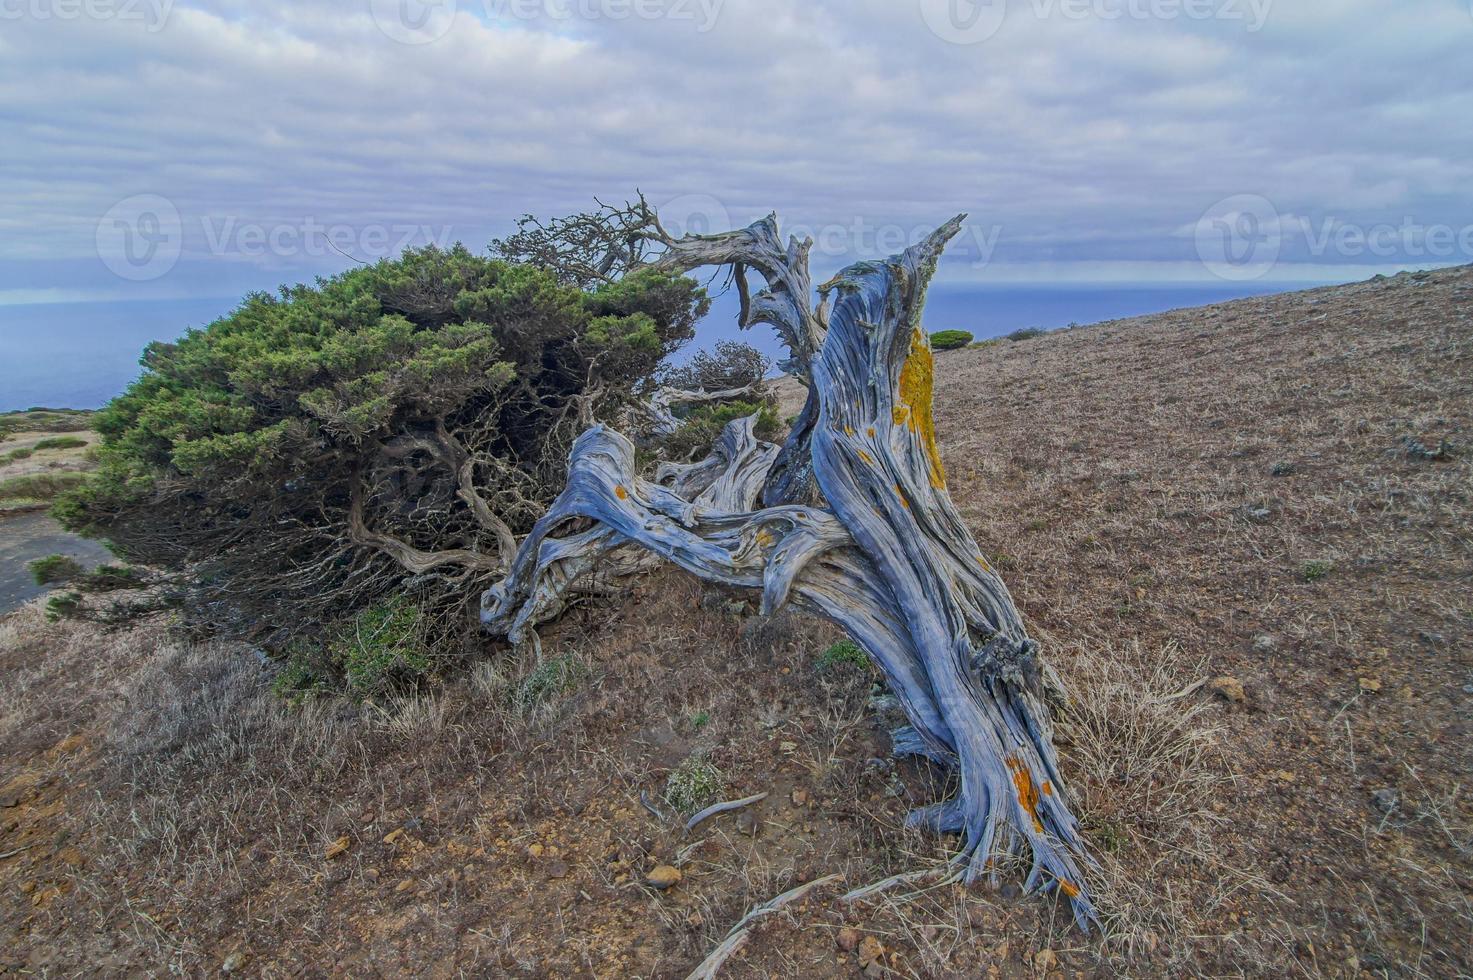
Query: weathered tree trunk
(857, 526)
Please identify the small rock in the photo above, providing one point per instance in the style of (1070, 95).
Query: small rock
(1385, 799)
(871, 950)
(1229, 688)
(1369, 685)
(747, 823)
(800, 797)
(233, 962)
(1264, 643)
(1045, 959)
(536, 850)
(874, 969)
(393, 835)
(662, 877)
(848, 939)
(404, 885)
(338, 848)
(557, 869)
(1281, 468)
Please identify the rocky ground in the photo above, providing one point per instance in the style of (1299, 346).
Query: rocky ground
(1243, 534)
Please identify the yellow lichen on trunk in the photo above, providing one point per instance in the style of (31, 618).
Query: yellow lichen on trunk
(917, 379)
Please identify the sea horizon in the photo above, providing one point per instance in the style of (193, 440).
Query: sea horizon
(82, 354)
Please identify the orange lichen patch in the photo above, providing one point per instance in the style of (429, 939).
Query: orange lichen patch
(866, 457)
(870, 432)
(765, 538)
(1068, 888)
(983, 562)
(621, 493)
(917, 377)
(1048, 788)
(849, 430)
(900, 492)
(1027, 791)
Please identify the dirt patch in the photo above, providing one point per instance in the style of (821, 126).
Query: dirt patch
(27, 536)
(1274, 491)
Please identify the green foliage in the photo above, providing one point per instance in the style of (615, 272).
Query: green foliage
(700, 719)
(1026, 333)
(271, 459)
(111, 578)
(16, 455)
(730, 364)
(54, 568)
(694, 784)
(699, 429)
(298, 683)
(381, 646)
(1316, 569)
(950, 339)
(548, 680)
(63, 605)
(60, 442)
(844, 655)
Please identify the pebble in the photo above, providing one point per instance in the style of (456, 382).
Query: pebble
(848, 939)
(663, 876)
(1385, 799)
(1229, 688)
(233, 962)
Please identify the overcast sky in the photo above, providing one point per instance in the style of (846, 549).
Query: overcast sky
(156, 150)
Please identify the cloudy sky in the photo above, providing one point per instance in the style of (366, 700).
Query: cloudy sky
(202, 148)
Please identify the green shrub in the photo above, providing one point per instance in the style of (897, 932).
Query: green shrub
(298, 683)
(54, 568)
(286, 463)
(950, 339)
(16, 455)
(700, 428)
(1027, 333)
(1316, 569)
(381, 646)
(63, 605)
(61, 442)
(111, 578)
(694, 784)
(700, 719)
(548, 680)
(844, 655)
(41, 486)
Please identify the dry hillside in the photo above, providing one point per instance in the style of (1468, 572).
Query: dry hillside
(1271, 496)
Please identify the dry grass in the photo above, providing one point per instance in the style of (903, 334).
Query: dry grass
(1125, 478)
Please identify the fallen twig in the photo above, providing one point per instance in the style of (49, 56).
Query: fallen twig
(740, 932)
(716, 808)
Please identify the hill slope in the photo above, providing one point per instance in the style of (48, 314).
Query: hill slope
(1272, 493)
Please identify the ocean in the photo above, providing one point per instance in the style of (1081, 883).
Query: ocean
(79, 355)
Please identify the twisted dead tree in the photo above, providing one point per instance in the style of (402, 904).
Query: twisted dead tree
(849, 519)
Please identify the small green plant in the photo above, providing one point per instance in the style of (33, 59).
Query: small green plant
(693, 784)
(845, 654)
(550, 679)
(111, 578)
(53, 569)
(63, 605)
(1027, 333)
(700, 428)
(380, 645)
(700, 720)
(298, 683)
(60, 442)
(15, 455)
(950, 339)
(1316, 569)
